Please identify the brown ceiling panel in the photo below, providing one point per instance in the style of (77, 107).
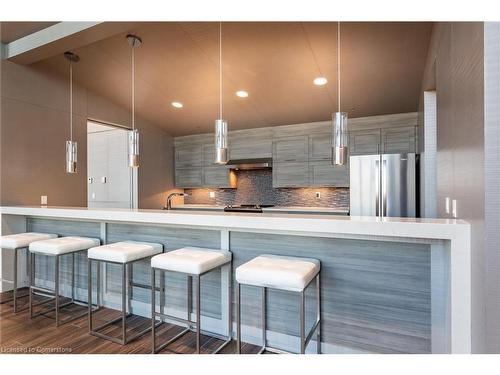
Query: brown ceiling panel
(381, 70)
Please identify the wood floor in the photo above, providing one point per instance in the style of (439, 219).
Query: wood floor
(20, 334)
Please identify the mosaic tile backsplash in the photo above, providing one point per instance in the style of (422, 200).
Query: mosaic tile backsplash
(256, 187)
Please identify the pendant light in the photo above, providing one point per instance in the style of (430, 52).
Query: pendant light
(220, 124)
(133, 135)
(339, 120)
(71, 146)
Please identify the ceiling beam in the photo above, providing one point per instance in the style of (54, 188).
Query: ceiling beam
(58, 38)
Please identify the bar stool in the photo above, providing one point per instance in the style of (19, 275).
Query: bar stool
(285, 273)
(56, 248)
(124, 254)
(194, 262)
(18, 242)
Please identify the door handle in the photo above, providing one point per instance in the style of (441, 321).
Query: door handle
(377, 188)
(384, 188)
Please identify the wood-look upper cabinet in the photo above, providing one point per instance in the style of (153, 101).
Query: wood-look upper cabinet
(320, 147)
(364, 142)
(188, 177)
(323, 173)
(251, 145)
(290, 149)
(208, 151)
(398, 140)
(291, 174)
(216, 177)
(188, 156)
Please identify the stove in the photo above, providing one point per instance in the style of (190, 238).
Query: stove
(247, 207)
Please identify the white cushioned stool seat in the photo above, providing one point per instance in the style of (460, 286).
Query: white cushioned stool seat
(192, 260)
(279, 272)
(124, 252)
(63, 245)
(20, 240)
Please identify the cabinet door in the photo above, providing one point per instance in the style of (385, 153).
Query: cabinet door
(252, 146)
(208, 154)
(364, 142)
(216, 177)
(295, 174)
(290, 149)
(399, 140)
(323, 173)
(320, 147)
(187, 156)
(188, 177)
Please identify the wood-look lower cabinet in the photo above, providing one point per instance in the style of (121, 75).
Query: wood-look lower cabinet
(323, 173)
(188, 177)
(291, 174)
(399, 140)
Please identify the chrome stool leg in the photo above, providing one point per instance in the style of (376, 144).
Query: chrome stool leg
(153, 310)
(56, 289)
(238, 318)
(124, 304)
(15, 281)
(318, 315)
(302, 323)
(198, 313)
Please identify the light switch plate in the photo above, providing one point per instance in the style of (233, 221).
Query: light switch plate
(211, 194)
(447, 205)
(43, 200)
(454, 208)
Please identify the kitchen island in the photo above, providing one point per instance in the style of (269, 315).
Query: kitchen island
(389, 285)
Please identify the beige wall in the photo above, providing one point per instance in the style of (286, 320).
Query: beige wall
(455, 69)
(35, 126)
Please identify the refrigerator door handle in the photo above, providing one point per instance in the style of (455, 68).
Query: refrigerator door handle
(384, 187)
(377, 188)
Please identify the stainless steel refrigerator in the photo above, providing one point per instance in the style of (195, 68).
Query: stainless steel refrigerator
(383, 185)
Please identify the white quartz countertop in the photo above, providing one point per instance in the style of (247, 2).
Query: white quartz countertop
(446, 229)
(298, 209)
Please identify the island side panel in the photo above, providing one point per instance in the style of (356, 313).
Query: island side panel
(376, 296)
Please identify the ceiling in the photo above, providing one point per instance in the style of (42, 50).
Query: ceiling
(10, 31)
(381, 71)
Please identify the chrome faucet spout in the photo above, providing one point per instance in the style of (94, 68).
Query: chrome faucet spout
(170, 197)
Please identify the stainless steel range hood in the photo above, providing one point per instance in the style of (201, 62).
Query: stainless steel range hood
(250, 164)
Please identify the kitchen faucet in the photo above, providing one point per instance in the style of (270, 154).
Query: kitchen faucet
(169, 199)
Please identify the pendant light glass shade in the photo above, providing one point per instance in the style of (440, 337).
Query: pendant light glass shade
(71, 156)
(133, 148)
(339, 138)
(220, 141)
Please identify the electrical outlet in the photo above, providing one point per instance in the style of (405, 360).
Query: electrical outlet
(318, 195)
(454, 208)
(211, 194)
(43, 200)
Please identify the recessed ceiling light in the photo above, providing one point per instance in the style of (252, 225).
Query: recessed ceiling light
(320, 81)
(177, 104)
(242, 94)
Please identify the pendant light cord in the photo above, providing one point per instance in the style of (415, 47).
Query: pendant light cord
(133, 86)
(71, 100)
(338, 63)
(220, 70)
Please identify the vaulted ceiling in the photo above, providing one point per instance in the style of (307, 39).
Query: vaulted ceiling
(381, 71)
